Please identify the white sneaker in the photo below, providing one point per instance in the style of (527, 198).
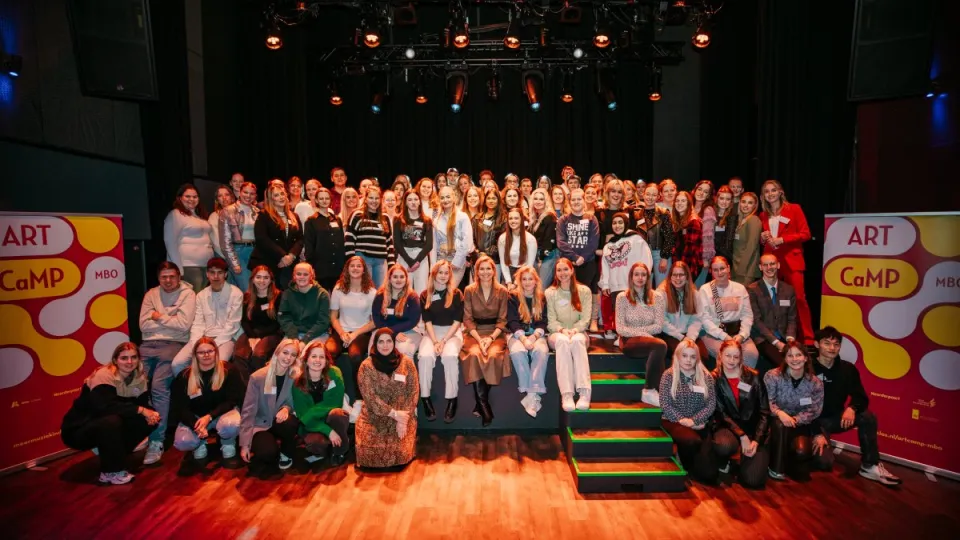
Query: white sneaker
(567, 402)
(616, 342)
(200, 452)
(775, 475)
(285, 462)
(879, 473)
(530, 404)
(725, 469)
(116, 478)
(143, 445)
(355, 411)
(228, 449)
(583, 404)
(650, 396)
(610, 334)
(154, 452)
(96, 452)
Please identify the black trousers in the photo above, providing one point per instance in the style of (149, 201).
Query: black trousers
(791, 449)
(672, 344)
(753, 469)
(113, 436)
(653, 349)
(587, 275)
(319, 444)
(866, 426)
(356, 354)
(328, 282)
(264, 445)
(695, 448)
(769, 351)
(248, 360)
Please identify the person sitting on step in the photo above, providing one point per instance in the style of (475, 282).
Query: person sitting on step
(568, 316)
(774, 306)
(442, 305)
(397, 307)
(526, 327)
(796, 400)
(725, 312)
(317, 398)
(640, 315)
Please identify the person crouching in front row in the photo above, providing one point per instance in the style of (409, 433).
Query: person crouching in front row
(205, 397)
(796, 399)
(317, 399)
(111, 415)
(267, 416)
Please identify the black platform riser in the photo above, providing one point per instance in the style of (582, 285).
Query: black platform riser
(622, 449)
(591, 420)
(615, 363)
(631, 484)
(616, 392)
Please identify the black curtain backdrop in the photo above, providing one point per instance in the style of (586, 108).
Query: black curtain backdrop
(268, 113)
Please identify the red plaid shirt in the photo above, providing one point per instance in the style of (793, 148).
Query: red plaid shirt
(689, 247)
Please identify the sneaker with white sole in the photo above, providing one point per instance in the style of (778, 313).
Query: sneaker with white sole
(566, 402)
(143, 445)
(616, 342)
(530, 404)
(583, 404)
(285, 462)
(879, 473)
(116, 478)
(355, 411)
(228, 448)
(650, 396)
(775, 475)
(95, 450)
(200, 452)
(154, 452)
(725, 469)
(610, 334)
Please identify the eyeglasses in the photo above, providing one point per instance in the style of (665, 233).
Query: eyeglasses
(206, 352)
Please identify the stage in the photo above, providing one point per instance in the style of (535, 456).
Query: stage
(463, 486)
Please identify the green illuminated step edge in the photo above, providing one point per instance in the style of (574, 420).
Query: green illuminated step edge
(679, 472)
(633, 382)
(649, 410)
(574, 438)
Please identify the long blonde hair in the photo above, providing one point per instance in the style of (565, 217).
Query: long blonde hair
(194, 383)
(451, 222)
(344, 213)
(270, 385)
(527, 316)
(386, 291)
(763, 200)
(700, 371)
(536, 218)
(451, 288)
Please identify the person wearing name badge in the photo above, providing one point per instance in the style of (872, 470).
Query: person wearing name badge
(112, 415)
(745, 267)
(453, 236)
(267, 416)
(237, 234)
(304, 312)
(681, 318)
(442, 306)
(223, 199)
(318, 394)
(351, 318)
(640, 317)
(796, 401)
(774, 307)
(741, 422)
(687, 230)
(205, 397)
(568, 317)
(261, 330)
(784, 232)
(387, 428)
(413, 240)
(703, 207)
(527, 328)
(727, 221)
(845, 407)
(323, 241)
(623, 250)
(397, 307)
(369, 235)
(543, 226)
(613, 204)
(307, 207)
(655, 224)
(726, 313)
(488, 225)
(188, 236)
(578, 236)
(218, 312)
(688, 400)
(516, 246)
(278, 236)
(166, 317)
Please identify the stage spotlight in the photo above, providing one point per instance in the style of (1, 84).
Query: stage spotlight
(410, 53)
(606, 88)
(376, 103)
(405, 15)
(11, 64)
(456, 89)
(379, 92)
(701, 38)
(602, 36)
(578, 53)
(566, 88)
(274, 41)
(335, 97)
(533, 88)
(420, 89)
(371, 36)
(544, 36)
(656, 79)
(493, 86)
(512, 39)
(570, 14)
(461, 35)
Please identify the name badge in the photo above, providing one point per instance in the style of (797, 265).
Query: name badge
(584, 221)
(806, 401)
(264, 307)
(435, 296)
(272, 391)
(642, 221)
(784, 303)
(334, 225)
(562, 302)
(389, 311)
(399, 377)
(418, 224)
(196, 395)
(721, 229)
(698, 389)
(488, 222)
(333, 384)
(684, 231)
(784, 220)
(822, 377)
(744, 386)
(736, 236)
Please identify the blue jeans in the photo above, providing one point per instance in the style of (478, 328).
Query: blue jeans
(377, 269)
(658, 276)
(157, 361)
(227, 426)
(531, 366)
(242, 280)
(547, 266)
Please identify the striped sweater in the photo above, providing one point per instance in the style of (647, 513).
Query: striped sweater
(368, 237)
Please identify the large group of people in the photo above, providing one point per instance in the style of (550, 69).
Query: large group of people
(283, 321)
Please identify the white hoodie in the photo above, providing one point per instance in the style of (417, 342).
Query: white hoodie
(176, 310)
(619, 257)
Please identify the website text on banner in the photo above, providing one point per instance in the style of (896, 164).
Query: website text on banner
(63, 308)
(891, 285)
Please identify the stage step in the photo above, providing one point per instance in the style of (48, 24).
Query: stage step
(620, 475)
(611, 442)
(616, 386)
(614, 414)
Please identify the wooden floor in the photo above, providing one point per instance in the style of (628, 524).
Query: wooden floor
(469, 487)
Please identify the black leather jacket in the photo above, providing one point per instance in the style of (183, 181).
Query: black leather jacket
(751, 417)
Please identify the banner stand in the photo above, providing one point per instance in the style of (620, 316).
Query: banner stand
(900, 461)
(38, 461)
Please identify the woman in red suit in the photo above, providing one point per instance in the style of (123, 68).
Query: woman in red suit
(784, 232)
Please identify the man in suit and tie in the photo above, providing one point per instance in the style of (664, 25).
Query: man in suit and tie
(774, 304)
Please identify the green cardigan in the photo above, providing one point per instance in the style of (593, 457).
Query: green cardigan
(313, 416)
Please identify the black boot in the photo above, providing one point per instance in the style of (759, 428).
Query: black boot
(428, 409)
(482, 392)
(450, 414)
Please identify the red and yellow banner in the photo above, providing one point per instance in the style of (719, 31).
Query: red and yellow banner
(891, 285)
(63, 309)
